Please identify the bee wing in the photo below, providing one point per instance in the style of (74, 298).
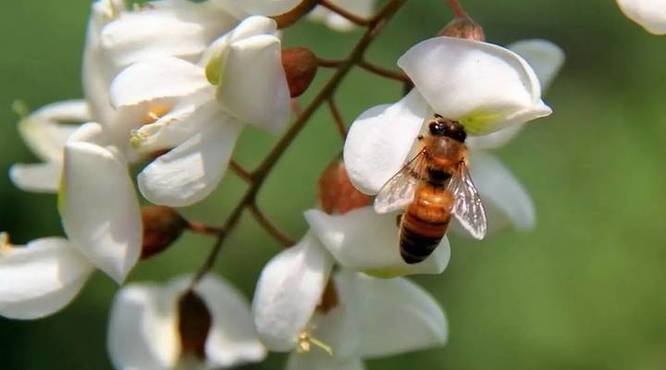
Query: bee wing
(467, 206)
(399, 190)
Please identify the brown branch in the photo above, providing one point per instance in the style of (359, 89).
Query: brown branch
(199, 228)
(383, 72)
(375, 25)
(337, 117)
(329, 63)
(457, 8)
(269, 226)
(240, 171)
(360, 21)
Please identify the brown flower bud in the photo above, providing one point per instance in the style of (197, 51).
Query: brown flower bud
(161, 227)
(291, 17)
(337, 195)
(194, 323)
(300, 66)
(464, 27)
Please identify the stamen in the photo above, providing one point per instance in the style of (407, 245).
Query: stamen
(306, 341)
(136, 139)
(4, 242)
(155, 112)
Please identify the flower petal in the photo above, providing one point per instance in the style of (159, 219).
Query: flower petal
(398, 316)
(545, 58)
(504, 197)
(380, 141)
(650, 14)
(41, 278)
(257, 7)
(41, 178)
(319, 360)
(191, 171)
(143, 329)
(253, 86)
(288, 291)
(484, 86)
(363, 240)
(98, 204)
(361, 8)
(232, 340)
(156, 78)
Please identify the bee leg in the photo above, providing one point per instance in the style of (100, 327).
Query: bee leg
(398, 220)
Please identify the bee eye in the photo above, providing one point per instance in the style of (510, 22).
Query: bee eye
(437, 128)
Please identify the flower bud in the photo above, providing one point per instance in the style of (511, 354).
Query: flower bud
(291, 17)
(300, 66)
(194, 323)
(337, 195)
(161, 227)
(464, 27)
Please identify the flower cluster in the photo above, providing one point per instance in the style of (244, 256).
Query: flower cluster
(170, 85)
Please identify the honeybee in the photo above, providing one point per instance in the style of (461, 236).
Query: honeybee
(431, 187)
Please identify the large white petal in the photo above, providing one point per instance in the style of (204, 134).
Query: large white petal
(363, 240)
(232, 340)
(651, 14)
(191, 171)
(257, 7)
(504, 197)
(41, 178)
(98, 204)
(484, 86)
(398, 316)
(380, 140)
(253, 85)
(318, 360)
(545, 58)
(41, 278)
(143, 329)
(288, 291)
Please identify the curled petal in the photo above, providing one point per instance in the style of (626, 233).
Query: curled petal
(243, 8)
(288, 291)
(156, 78)
(484, 86)
(41, 278)
(98, 204)
(191, 171)
(143, 330)
(380, 140)
(41, 178)
(504, 197)
(318, 360)
(363, 240)
(398, 316)
(545, 58)
(253, 86)
(650, 14)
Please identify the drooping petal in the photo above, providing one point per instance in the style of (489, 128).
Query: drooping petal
(143, 330)
(484, 86)
(41, 278)
(244, 8)
(232, 340)
(253, 86)
(380, 140)
(191, 171)
(363, 240)
(98, 204)
(319, 360)
(398, 316)
(156, 78)
(650, 14)
(45, 131)
(504, 197)
(361, 8)
(545, 58)
(288, 291)
(41, 178)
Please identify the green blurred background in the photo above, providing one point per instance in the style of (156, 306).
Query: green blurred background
(585, 290)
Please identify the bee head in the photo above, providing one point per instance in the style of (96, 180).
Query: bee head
(441, 126)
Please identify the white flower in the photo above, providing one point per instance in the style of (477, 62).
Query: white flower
(485, 87)
(650, 14)
(202, 109)
(361, 8)
(163, 327)
(40, 278)
(364, 318)
(246, 8)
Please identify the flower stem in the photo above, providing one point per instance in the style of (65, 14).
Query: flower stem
(263, 220)
(375, 26)
(360, 21)
(383, 72)
(457, 8)
(337, 117)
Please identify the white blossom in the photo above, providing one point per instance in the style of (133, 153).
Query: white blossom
(361, 8)
(247, 8)
(144, 327)
(650, 14)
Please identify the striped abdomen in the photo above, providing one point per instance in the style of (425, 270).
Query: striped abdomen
(425, 222)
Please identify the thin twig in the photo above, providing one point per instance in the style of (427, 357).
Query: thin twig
(457, 8)
(360, 21)
(375, 26)
(329, 63)
(199, 228)
(263, 220)
(383, 72)
(240, 171)
(337, 117)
